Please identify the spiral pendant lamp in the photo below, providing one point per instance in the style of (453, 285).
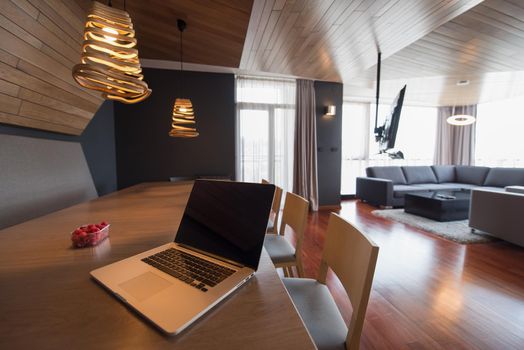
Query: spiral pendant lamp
(183, 118)
(109, 60)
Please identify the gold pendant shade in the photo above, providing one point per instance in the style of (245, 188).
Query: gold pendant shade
(183, 120)
(109, 58)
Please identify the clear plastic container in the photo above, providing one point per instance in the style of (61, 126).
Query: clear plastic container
(82, 237)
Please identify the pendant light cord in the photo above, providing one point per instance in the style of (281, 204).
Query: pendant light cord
(181, 61)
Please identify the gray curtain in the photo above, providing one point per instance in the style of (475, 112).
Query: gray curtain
(455, 144)
(305, 182)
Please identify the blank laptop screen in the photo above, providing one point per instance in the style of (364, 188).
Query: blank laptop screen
(227, 219)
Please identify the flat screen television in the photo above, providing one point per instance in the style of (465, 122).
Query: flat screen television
(386, 134)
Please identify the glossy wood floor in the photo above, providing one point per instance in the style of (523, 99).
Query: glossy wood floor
(430, 293)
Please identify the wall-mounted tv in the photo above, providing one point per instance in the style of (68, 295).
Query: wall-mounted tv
(386, 134)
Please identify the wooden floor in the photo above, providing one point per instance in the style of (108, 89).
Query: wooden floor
(430, 293)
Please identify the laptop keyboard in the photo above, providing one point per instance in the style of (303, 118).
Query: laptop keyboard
(196, 272)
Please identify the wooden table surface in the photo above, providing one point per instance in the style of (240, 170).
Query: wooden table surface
(49, 301)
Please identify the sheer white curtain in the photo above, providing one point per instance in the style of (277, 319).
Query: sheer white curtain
(415, 138)
(265, 130)
(499, 140)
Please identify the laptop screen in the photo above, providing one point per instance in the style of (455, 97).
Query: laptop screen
(227, 219)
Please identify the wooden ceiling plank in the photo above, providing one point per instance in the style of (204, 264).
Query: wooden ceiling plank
(268, 33)
(9, 104)
(19, 32)
(22, 79)
(254, 21)
(9, 59)
(38, 124)
(9, 88)
(260, 30)
(36, 111)
(27, 7)
(32, 96)
(76, 23)
(56, 18)
(74, 44)
(23, 20)
(20, 48)
(75, 9)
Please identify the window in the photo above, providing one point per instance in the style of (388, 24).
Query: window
(265, 133)
(416, 138)
(498, 139)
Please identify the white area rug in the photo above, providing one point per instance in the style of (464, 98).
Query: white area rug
(457, 231)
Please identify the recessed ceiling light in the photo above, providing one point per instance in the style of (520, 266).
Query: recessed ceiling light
(462, 82)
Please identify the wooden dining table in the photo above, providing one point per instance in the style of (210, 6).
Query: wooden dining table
(49, 301)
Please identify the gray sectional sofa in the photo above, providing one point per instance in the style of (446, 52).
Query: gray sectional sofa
(387, 185)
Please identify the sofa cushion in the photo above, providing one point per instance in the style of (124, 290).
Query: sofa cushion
(502, 177)
(419, 175)
(399, 191)
(446, 187)
(444, 173)
(471, 174)
(393, 173)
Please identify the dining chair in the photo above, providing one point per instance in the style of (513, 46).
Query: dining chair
(275, 209)
(352, 257)
(282, 253)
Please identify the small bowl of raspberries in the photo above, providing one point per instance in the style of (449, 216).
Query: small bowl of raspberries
(90, 235)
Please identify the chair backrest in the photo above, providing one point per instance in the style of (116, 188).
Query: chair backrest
(352, 257)
(294, 215)
(275, 207)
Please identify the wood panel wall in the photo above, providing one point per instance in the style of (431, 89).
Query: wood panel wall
(40, 42)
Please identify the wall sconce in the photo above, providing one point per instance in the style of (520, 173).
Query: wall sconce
(330, 110)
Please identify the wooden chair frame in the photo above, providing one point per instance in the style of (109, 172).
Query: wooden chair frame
(294, 215)
(352, 256)
(275, 207)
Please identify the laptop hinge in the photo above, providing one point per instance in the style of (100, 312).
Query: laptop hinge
(211, 255)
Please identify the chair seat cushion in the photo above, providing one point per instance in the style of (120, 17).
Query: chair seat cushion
(279, 249)
(319, 312)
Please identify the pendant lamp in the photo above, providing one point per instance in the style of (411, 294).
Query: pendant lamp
(183, 118)
(109, 60)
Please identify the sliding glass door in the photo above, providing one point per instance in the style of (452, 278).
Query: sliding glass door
(265, 131)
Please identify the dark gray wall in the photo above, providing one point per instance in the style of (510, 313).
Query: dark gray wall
(329, 142)
(145, 151)
(98, 144)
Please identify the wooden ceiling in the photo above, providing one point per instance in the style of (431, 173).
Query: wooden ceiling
(40, 42)
(485, 45)
(215, 31)
(429, 44)
(337, 39)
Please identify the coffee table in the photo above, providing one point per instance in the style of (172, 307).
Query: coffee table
(434, 205)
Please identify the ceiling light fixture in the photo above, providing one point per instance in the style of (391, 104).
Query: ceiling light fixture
(460, 119)
(109, 58)
(462, 82)
(183, 118)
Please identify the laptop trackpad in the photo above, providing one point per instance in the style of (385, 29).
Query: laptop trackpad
(145, 285)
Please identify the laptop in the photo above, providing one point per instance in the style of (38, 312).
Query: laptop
(216, 250)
